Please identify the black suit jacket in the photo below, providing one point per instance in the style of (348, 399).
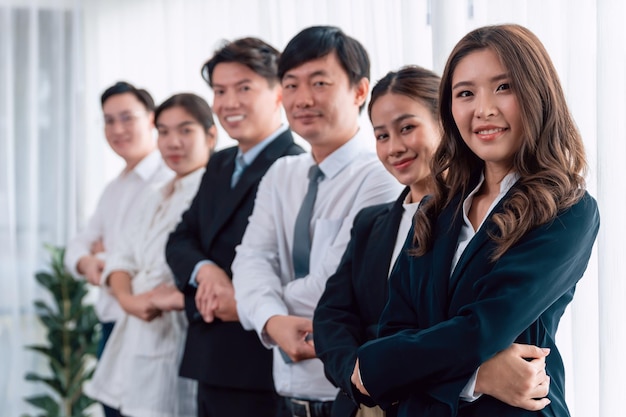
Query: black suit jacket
(437, 329)
(347, 314)
(222, 354)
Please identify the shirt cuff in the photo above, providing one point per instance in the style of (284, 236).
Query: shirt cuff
(260, 321)
(192, 280)
(468, 394)
(266, 340)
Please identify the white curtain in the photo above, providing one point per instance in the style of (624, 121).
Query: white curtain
(40, 127)
(54, 160)
(162, 44)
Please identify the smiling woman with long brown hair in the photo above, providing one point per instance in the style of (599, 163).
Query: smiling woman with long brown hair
(498, 249)
(404, 113)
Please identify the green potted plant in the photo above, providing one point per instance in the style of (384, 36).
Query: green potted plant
(71, 341)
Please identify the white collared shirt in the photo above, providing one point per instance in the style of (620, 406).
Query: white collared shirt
(465, 237)
(408, 212)
(263, 273)
(250, 155)
(115, 206)
(467, 230)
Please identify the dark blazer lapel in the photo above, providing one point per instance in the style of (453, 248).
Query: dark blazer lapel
(448, 228)
(222, 182)
(480, 239)
(249, 179)
(384, 231)
(220, 190)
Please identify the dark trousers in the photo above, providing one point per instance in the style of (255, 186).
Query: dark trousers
(106, 330)
(219, 402)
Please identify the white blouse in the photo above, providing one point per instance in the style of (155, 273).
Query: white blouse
(138, 371)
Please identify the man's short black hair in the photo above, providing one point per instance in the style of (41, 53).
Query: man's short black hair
(122, 87)
(318, 41)
(258, 55)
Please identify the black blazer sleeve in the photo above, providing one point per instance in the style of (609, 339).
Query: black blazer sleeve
(339, 327)
(434, 330)
(184, 246)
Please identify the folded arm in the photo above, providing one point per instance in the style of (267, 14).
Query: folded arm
(508, 299)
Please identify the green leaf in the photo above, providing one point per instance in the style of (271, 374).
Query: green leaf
(77, 308)
(50, 353)
(57, 255)
(59, 372)
(51, 322)
(82, 403)
(44, 402)
(51, 382)
(55, 339)
(44, 310)
(77, 362)
(59, 297)
(92, 350)
(46, 279)
(88, 317)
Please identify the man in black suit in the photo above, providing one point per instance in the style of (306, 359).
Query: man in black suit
(233, 369)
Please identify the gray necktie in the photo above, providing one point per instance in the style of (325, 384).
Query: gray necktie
(240, 166)
(302, 230)
(302, 233)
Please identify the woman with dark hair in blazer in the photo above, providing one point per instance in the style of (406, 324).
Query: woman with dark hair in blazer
(403, 111)
(497, 250)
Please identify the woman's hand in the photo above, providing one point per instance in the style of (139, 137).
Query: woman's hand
(356, 379)
(166, 297)
(516, 376)
(139, 305)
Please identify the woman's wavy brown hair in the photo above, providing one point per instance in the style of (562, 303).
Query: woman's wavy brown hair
(551, 161)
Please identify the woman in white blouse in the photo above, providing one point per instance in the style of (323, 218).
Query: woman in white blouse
(138, 372)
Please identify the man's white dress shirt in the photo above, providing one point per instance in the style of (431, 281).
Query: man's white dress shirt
(116, 205)
(263, 273)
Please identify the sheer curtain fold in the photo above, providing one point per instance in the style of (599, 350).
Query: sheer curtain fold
(611, 130)
(7, 209)
(37, 111)
(54, 161)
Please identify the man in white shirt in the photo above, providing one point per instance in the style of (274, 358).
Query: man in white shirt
(128, 128)
(325, 78)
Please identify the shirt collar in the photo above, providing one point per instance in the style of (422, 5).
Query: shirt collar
(334, 163)
(505, 185)
(507, 182)
(250, 155)
(146, 168)
(179, 184)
